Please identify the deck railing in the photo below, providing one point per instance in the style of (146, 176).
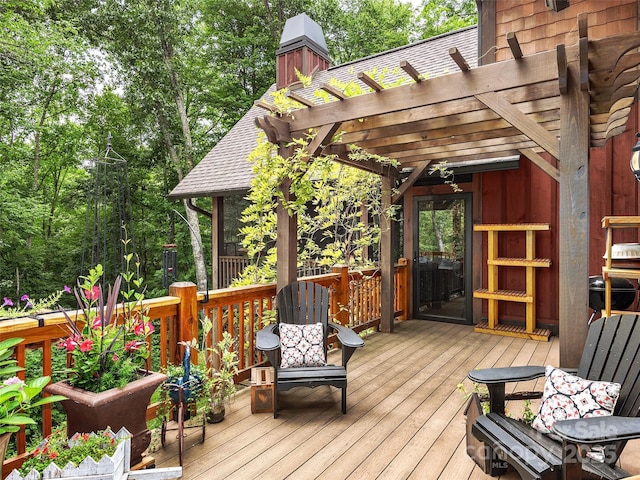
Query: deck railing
(230, 267)
(241, 311)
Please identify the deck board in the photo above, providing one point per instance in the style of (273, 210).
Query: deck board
(405, 414)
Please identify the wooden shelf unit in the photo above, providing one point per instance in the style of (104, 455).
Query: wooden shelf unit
(494, 295)
(608, 270)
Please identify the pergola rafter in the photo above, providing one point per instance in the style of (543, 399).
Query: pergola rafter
(580, 93)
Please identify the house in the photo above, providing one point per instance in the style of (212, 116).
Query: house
(540, 132)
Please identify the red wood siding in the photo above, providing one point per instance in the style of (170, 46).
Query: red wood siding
(304, 59)
(539, 28)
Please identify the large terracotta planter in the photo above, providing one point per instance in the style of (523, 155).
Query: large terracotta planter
(115, 408)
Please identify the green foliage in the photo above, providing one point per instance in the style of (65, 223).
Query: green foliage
(481, 391)
(358, 28)
(167, 80)
(18, 398)
(442, 16)
(338, 206)
(528, 415)
(59, 449)
(446, 174)
(28, 306)
(222, 383)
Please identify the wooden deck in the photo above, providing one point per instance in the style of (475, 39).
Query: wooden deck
(405, 414)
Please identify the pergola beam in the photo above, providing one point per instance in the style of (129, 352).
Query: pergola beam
(411, 71)
(541, 163)
(301, 100)
(322, 139)
(533, 69)
(370, 82)
(341, 151)
(457, 57)
(514, 45)
(333, 91)
(523, 123)
(411, 179)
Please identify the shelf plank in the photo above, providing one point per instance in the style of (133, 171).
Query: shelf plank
(510, 227)
(508, 295)
(540, 334)
(620, 273)
(621, 222)
(520, 262)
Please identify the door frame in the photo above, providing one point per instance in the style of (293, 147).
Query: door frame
(467, 319)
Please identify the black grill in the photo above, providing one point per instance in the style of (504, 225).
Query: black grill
(623, 293)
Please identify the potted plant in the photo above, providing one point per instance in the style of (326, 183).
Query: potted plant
(192, 379)
(108, 384)
(27, 306)
(100, 455)
(60, 450)
(222, 383)
(17, 397)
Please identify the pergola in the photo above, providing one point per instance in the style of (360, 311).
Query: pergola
(561, 102)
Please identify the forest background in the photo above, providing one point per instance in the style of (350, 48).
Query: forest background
(164, 80)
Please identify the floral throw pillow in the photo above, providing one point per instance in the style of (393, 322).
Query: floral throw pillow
(567, 396)
(301, 345)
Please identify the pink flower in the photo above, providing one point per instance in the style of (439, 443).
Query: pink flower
(7, 302)
(86, 346)
(24, 298)
(143, 328)
(66, 289)
(92, 294)
(69, 344)
(97, 323)
(132, 345)
(13, 381)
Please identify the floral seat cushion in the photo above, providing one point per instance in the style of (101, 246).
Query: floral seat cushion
(301, 345)
(568, 396)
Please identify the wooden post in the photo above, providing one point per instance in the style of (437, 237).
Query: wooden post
(386, 255)
(403, 282)
(187, 318)
(217, 239)
(409, 251)
(573, 216)
(287, 236)
(342, 295)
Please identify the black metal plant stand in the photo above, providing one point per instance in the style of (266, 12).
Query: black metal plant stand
(183, 393)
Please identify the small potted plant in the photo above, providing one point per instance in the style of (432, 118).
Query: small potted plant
(222, 383)
(97, 455)
(59, 449)
(27, 307)
(192, 379)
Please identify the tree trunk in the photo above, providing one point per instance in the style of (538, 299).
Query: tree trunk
(191, 216)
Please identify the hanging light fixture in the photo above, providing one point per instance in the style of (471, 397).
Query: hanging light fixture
(635, 158)
(556, 5)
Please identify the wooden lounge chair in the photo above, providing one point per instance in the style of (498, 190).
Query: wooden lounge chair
(305, 304)
(611, 354)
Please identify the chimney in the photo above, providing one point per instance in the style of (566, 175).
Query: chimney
(302, 47)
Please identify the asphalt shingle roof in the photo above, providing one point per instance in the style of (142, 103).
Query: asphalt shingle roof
(225, 169)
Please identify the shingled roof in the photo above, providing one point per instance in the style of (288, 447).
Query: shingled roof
(225, 169)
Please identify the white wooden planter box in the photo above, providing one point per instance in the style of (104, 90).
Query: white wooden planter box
(116, 467)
